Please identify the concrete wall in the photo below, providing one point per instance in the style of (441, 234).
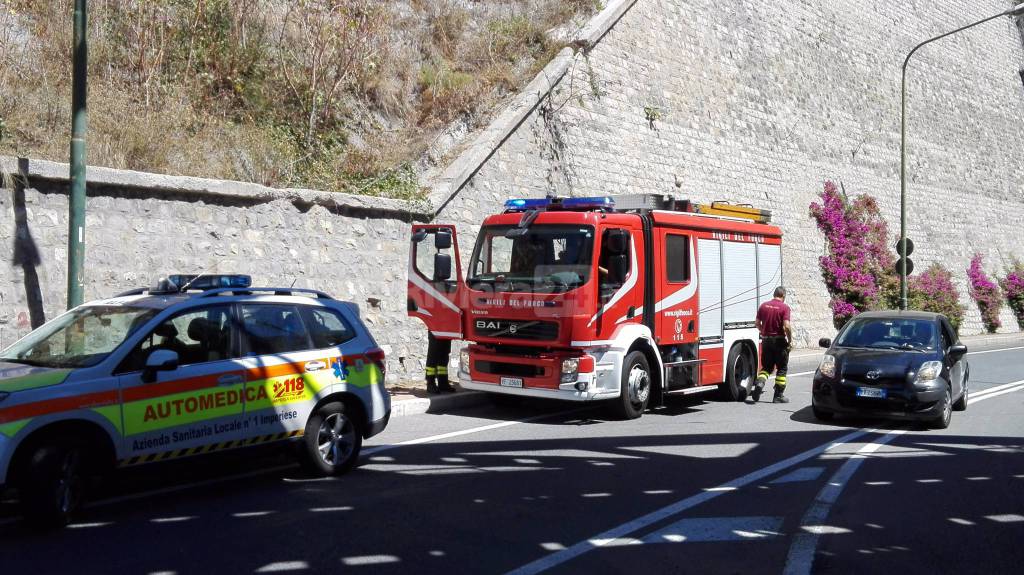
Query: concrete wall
(749, 101)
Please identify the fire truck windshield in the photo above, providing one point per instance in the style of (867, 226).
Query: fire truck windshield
(547, 258)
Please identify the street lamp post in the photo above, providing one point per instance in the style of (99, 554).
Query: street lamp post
(76, 197)
(1015, 11)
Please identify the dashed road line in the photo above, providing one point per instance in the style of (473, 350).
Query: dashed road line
(620, 535)
(805, 543)
(617, 533)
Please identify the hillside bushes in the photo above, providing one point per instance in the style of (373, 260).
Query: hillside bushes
(342, 95)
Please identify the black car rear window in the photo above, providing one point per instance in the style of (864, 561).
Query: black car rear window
(889, 333)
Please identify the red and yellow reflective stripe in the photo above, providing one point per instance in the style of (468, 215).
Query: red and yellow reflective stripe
(366, 377)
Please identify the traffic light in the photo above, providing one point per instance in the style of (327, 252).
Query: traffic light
(904, 259)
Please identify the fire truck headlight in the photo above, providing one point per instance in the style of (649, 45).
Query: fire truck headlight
(570, 369)
(464, 361)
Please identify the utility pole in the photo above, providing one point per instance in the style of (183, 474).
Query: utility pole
(76, 198)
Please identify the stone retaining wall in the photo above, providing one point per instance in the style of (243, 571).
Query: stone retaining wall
(751, 102)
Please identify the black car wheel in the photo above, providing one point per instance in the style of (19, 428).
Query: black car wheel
(332, 441)
(961, 404)
(946, 415)
(635, 387)
(54, 483)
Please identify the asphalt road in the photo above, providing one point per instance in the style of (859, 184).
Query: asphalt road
(699, 486)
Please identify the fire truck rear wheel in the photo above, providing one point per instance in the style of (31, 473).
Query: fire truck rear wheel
(739, 374)
(636, 387)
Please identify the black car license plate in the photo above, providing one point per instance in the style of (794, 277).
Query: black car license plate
(873, 392)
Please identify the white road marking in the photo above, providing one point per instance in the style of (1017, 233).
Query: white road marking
(974, 398)
(172, 519)
(701, 529)
(801, 474)
(283, 566)
(801, 551)
(619, 532)
(566, 453)
(329, 509)
(370, 560)
(994, 350)
(824, 529)
(698, 451)
(959, 521)
(995, 388)
(1007, 518)
(469, 431)
(551, 546)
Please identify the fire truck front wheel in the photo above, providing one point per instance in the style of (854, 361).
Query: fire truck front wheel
(635, 387)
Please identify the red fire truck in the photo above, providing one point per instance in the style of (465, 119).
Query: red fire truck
(622, 299)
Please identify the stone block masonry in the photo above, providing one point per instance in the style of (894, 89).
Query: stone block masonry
(746, 101)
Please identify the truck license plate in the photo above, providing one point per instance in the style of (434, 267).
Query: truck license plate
(871, 392)
(511, 382)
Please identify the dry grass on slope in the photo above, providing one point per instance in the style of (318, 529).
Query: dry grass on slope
(343, 95)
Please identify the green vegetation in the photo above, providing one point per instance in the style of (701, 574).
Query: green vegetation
(341, 95)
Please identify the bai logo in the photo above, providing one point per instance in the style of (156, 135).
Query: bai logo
(497, 326)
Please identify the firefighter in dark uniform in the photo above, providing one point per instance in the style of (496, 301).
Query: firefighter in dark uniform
(438, 351)
(776, 341)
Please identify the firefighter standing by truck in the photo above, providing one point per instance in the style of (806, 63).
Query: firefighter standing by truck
(438, 353)
(776, 341)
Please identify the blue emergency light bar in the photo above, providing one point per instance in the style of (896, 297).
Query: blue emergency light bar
(522, 205)
(180, 282)
(598, 203)
(595, 203)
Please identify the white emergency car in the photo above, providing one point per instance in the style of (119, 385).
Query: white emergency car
(169, 372)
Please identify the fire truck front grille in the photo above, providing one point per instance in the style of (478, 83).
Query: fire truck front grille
(514, 369)
(522, 329)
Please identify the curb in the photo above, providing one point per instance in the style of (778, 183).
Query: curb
(437, 404)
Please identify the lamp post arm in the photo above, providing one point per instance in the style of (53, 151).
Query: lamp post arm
(950, 33)
(903, 143)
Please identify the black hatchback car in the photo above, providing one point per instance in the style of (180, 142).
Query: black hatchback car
(905, 364)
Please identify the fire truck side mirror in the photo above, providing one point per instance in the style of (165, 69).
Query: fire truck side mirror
(442, 241)
(618, 242)
(442, 267)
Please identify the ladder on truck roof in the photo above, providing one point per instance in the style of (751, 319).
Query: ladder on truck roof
(718, 208)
